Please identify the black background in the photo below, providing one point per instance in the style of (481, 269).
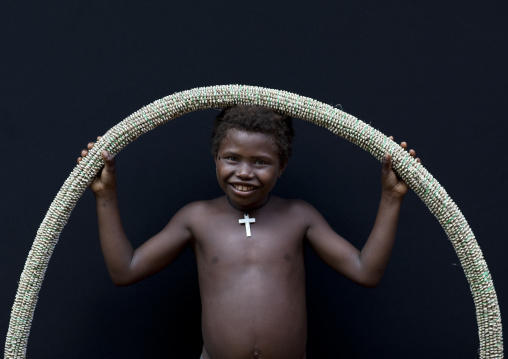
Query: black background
(431, 73)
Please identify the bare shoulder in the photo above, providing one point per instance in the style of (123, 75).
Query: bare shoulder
(197, 209)
(299, 208)
(298, 205)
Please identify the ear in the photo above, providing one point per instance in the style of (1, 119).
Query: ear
(282, 168)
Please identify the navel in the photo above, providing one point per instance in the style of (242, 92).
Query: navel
(256, 353)
(215, 260)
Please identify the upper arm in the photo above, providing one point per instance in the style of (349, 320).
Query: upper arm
(163, 248)
(333, 249)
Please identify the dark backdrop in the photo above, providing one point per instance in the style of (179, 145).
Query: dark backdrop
(431, 73)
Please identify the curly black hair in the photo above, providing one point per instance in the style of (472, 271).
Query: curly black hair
(251, 118)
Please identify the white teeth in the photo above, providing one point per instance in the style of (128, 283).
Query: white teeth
(242, 188)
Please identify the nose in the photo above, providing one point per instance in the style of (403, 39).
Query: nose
(244, 170)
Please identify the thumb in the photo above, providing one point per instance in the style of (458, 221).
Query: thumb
(109, 161)
(387, 162)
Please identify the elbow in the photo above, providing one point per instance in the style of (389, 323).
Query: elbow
(371, 281)
(122, 276)
(370, 284)
(121, 281)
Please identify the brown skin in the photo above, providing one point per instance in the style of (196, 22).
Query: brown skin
(252, 289)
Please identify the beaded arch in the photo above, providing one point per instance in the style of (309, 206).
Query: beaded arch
(340, 123)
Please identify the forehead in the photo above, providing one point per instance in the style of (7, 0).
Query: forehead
(251, 142)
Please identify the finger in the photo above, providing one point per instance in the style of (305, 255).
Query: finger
(418, 160)
(387, 161)
(412, 152)
(390, 137)
(403, 144)
(99, 137)
(106, 156)
(90, 145)
(79, 159)
(84, 153)
(109, 160)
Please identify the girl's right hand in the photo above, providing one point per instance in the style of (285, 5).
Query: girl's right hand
(105, 182)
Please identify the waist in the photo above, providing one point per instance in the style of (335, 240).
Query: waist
(263, 332)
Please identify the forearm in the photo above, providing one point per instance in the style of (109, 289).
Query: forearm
(376, 253)
(115, 246)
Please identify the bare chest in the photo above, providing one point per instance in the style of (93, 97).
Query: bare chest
(236, 239)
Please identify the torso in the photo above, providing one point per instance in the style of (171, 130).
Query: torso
(252, 289)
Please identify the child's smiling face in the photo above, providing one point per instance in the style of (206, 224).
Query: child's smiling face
(248, 166)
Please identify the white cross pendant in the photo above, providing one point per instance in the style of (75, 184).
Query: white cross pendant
(247, 221)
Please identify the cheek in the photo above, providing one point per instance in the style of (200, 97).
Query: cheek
(218, 173)
(222, 172)
(270, 177)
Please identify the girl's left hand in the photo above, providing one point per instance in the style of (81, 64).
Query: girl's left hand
(391, 183)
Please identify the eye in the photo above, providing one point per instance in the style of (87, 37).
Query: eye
(259, 162)
(231, 158)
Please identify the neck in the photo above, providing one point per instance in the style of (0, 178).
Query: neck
(247, 209)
